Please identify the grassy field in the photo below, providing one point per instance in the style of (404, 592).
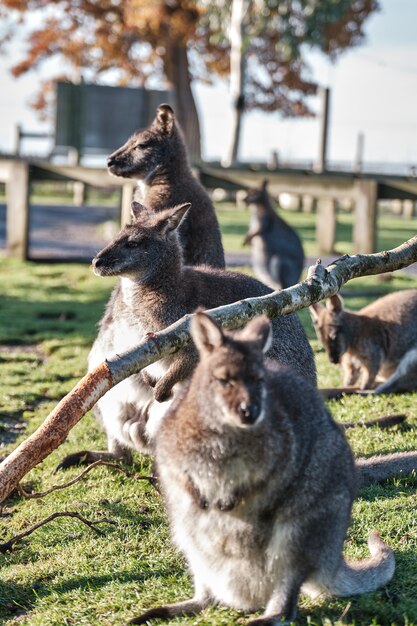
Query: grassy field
(64, 574)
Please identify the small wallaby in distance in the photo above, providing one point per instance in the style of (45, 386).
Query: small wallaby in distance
(155, 290)
(157, 157)
(277, 251)
(259, 483)
(378, 343)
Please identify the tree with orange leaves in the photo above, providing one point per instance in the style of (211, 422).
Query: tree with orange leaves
(155, 42)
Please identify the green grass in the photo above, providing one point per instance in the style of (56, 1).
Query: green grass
(64, 574)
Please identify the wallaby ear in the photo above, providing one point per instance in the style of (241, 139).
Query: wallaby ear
(170, 219)
(206, 335)
(264, 184)
(315, 310)
(259, 331)
(335, 304)
(136, 208)
(165, 119)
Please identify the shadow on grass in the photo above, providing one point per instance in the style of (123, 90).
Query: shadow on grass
(24, 321)
(17, 600)
(403, 487)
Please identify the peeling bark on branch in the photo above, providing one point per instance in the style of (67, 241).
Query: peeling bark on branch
(321, 283)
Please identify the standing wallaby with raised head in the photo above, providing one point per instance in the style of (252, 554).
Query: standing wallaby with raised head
(259, 483)
(277, 251)
(157, 158)
(377, 342)
(155, 290)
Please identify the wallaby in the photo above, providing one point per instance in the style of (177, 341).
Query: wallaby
(377, 342)
(259, 483)
(157, 158)
(155, 290)
(277, 251)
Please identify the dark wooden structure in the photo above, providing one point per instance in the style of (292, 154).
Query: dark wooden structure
(326, 188)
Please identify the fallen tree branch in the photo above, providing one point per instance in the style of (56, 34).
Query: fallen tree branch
(8, 545)
(320, 283)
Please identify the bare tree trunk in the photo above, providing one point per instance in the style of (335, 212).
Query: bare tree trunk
(237, 76)
(178, 74)
(321, 283)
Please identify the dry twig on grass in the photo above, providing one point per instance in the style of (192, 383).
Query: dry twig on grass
(8, 545)
(151, 479)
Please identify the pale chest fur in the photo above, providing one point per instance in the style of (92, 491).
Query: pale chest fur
(122, 335)
(229, 553)
(141, 191)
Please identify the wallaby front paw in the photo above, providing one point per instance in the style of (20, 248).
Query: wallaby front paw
(77, 458)
(161, 393)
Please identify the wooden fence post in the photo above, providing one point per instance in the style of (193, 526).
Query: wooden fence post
(17, 216)
(365, 216)
(125, 202)
(326, 225)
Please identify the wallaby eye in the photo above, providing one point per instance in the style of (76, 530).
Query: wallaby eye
(225, 382)
(137, 243)
(143, 145)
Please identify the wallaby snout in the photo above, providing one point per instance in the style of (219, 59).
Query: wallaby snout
(334, 342)
(241, 402)
(134, 158)
(249, 412)
(334, 352)
(111, 160)
(99, 265)
(330, 326)
(121, 162)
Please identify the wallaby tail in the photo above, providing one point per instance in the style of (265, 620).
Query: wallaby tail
(354, 577)
(386, 421)
(376, 469)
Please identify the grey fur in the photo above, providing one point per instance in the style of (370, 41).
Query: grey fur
(277, 251)
(157, 157)
(259, 500)
(378, 342)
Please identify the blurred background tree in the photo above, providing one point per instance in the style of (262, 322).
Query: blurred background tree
(174, 42)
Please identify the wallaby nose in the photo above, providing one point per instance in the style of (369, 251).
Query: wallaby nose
(110, 160)
(248, 412)
(97, 263)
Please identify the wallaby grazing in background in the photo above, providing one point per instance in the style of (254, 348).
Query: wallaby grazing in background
(155, 290)
(277, 251)
(379, 341)
(157, 158)
(259, 483)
